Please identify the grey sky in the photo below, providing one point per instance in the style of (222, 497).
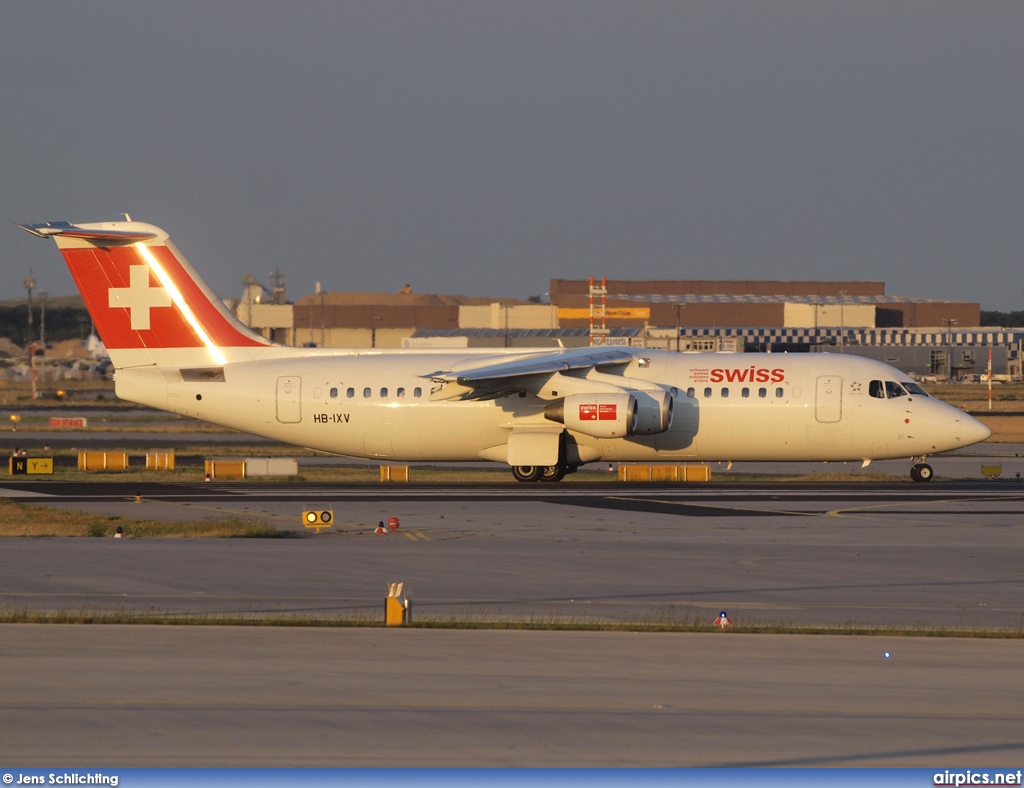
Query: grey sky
(483, 148)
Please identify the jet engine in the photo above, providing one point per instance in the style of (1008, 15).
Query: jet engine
(654, 412)
(597, 415)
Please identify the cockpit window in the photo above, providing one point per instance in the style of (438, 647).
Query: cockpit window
(894, 390)
(876, 389)
(914, 388)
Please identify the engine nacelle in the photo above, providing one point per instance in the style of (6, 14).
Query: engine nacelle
(654, 412)
(597, 415)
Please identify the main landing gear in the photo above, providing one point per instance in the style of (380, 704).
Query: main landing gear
(921, 472)
(540, 473)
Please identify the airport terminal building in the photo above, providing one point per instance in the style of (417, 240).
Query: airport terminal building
(926, 337)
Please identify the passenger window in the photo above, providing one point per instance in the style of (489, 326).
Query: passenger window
(745, 393)
(707, 393)
(876, 389)
(334, 393)
(725, 393)
(691, 392)
(417, 392)
(762, 392)
(350, 393)
(894, 390)
(367, 392)
(400, 393)
(779, 392)
(384, 393)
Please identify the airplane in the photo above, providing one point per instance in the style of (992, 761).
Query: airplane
(543, 412)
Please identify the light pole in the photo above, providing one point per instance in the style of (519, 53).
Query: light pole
(247, 282)
(29, 284)
(42, 318)
(950, 322)
(816, 347)
(842, 321)
(323, 331)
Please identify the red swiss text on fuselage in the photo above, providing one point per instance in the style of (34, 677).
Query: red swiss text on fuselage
(749, 374)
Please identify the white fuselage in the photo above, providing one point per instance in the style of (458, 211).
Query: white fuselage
(726, 407)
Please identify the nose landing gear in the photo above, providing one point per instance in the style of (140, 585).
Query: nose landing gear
(921, 472)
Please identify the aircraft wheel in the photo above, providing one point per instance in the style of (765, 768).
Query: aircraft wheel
(922, 472)
(527, 473)
(552, 473)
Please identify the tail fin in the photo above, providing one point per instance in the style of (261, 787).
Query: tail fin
(148, 303)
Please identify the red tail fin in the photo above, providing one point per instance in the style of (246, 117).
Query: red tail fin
(143, 294)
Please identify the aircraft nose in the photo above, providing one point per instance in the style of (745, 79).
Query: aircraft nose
(972, 430)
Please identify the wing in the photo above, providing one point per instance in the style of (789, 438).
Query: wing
(490, 381)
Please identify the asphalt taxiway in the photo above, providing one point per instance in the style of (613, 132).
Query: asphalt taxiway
(119, 696)
(945, 554)
(939, 555)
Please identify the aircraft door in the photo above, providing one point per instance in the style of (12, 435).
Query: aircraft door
(289, 403)
(828, 402)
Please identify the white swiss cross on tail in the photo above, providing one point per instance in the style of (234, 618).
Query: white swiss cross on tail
(139, 297)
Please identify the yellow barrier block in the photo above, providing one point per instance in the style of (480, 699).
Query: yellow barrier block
(225, 469)
(102, 460)
(697, 473)
(634, 473)
(117, 460)
(664, 473)
(394, 473)
(91, 460)
(160, 461)
(992, 471)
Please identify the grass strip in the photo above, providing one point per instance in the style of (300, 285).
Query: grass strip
(18, 519)
(525, 624)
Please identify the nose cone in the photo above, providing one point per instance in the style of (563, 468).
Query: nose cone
(972, 430)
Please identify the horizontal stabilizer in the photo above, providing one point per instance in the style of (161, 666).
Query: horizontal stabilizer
(68, 230)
